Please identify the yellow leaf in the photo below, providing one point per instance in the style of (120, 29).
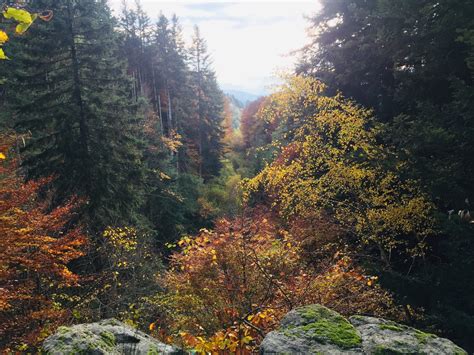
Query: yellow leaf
(2, 156)
(23, 27)
(2, 54)
(3, 37)
(151, 326)
(19, 15)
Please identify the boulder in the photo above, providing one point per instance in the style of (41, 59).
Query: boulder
(105, 337)
(316, 329)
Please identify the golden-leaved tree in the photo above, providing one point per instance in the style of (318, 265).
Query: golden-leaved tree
(332, 164)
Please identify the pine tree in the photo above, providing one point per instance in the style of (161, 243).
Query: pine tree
(69, 90)
(135, 25)
(208, 113)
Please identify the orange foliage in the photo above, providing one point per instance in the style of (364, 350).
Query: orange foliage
(250, 122)
(37, 243)
(226, 288)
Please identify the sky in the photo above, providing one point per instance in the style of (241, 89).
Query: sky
(250, 42)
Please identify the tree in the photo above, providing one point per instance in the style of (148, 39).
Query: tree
(38, 243)
(407, 61)
(208, 109)
(135, 25)
(333, 165)
(68, 88)
(222, 298)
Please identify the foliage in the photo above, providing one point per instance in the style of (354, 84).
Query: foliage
(222, 196)
(225, 298)
(130, 265)
(412, 63)
(408, 61)
(38, 243)
(335, 166)
(24, 19)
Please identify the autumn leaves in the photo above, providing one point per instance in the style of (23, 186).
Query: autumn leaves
(22, 20)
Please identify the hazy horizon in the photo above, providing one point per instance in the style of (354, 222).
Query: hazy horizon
(249, 41)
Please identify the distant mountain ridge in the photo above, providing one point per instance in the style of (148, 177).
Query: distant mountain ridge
(242, 96)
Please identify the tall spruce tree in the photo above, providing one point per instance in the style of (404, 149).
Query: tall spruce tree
(209, 106)
(68, 88)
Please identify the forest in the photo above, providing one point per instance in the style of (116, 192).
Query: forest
(132, 187)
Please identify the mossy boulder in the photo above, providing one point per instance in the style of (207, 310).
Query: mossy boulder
(104, 337)
(313, 330)
(384, 337)
(316, 329)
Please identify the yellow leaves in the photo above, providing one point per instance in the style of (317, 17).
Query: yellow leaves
(122, 238)
(235, 339)
(24, 18)
(173, 142)
(371, 280)
(2, 54)
(21, 28)
(19, 15)
(151, 327)
(214, 255)
(2, 156)
(333, 165)
(163, 176)
(3, 37)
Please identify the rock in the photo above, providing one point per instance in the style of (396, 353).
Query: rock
(380, 336)
(313, 330)
(105, 337)
(316, 329)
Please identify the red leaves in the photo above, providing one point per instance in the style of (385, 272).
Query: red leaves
(36, 245)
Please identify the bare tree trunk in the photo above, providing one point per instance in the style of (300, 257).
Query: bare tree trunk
(160, 113)
(156, 99)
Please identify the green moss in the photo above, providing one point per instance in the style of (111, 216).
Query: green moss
(108, 338)
(393, 327)
(459, 351)
(384, 350)
(423, 337)
(152, 351)
(62, 330)
(325, 326)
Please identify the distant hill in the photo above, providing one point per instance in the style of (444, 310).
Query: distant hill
(242, 96)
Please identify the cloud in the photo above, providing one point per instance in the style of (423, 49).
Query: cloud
(249, 41)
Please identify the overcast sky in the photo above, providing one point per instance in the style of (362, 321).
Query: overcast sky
(249, 41)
